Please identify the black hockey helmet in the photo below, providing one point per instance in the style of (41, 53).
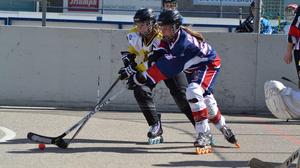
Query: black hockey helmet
(144, 14)
(170, 17)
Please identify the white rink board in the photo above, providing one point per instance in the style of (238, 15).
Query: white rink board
(60, 66)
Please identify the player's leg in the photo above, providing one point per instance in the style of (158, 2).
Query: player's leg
(144, 98)
(194, 96)
(177, 86)
(208, 81)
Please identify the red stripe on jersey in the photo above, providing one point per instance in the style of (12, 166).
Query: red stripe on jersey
(163, 44)
(200, 115)
(207, 78)
(294, 31)
(155, 74)
(217, 62)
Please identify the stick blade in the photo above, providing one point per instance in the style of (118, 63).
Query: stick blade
(257, 163)
(39, 138)
(58, 141)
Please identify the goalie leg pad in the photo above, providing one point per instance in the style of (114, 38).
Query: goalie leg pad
(291, 98)
(274, 99)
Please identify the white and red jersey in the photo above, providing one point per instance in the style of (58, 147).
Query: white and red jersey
(294, 32)
(186, 53)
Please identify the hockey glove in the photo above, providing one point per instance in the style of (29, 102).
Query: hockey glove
(126, 72)
(139, 79)
(127, 58)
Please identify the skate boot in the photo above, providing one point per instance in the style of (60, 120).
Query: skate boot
(229, 136)
(213, 141)
(202, 143)
(155, 134)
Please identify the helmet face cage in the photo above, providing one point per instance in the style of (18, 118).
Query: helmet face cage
(172, 18)
(145, 15)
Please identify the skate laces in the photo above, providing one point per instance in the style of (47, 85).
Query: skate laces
(154, 128)
(203, 138)
(226, 132)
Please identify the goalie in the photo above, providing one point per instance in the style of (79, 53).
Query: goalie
(282, 101)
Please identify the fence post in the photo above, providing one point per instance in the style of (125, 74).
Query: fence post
(257, 16)
(44, 11)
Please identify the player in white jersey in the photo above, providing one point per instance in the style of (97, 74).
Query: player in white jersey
(294, 43)
(143, 38)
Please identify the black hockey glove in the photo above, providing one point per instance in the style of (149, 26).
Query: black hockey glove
(127, 58)
(154, 56)
(139, 79)
(126, 72)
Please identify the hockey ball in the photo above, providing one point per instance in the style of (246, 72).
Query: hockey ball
(42, 146)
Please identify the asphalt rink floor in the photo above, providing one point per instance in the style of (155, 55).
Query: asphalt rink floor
(118, 139)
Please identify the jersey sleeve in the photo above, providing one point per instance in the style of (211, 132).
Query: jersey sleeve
(131, 38)
(294, 32)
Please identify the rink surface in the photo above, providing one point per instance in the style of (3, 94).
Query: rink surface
(118, 139)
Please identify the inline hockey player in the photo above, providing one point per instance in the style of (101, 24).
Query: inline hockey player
(186, 50)
(143, 38)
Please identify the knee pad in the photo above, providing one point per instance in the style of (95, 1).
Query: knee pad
(194, 95)
(211, 105)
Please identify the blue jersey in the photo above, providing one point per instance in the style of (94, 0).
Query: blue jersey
(185, 54)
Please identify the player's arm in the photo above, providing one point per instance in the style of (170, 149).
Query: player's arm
(168, 66)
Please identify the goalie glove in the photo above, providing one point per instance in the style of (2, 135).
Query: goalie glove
(127, 58)
(126, 72)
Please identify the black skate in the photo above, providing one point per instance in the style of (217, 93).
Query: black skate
(229, 136)
(203, 143)
(155, 134)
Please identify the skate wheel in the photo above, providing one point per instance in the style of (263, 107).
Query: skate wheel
(213, 142)
(200, 151)
(156, 140)
(237, 145)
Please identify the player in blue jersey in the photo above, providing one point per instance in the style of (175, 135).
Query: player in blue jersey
(143, 38)
(185, 50)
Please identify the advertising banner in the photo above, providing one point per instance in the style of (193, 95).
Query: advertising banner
(223, 2)
(83, 5)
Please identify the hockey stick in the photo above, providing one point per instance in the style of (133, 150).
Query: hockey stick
(240, 15)
(59, 139)
(256, 163)
(287, 79)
